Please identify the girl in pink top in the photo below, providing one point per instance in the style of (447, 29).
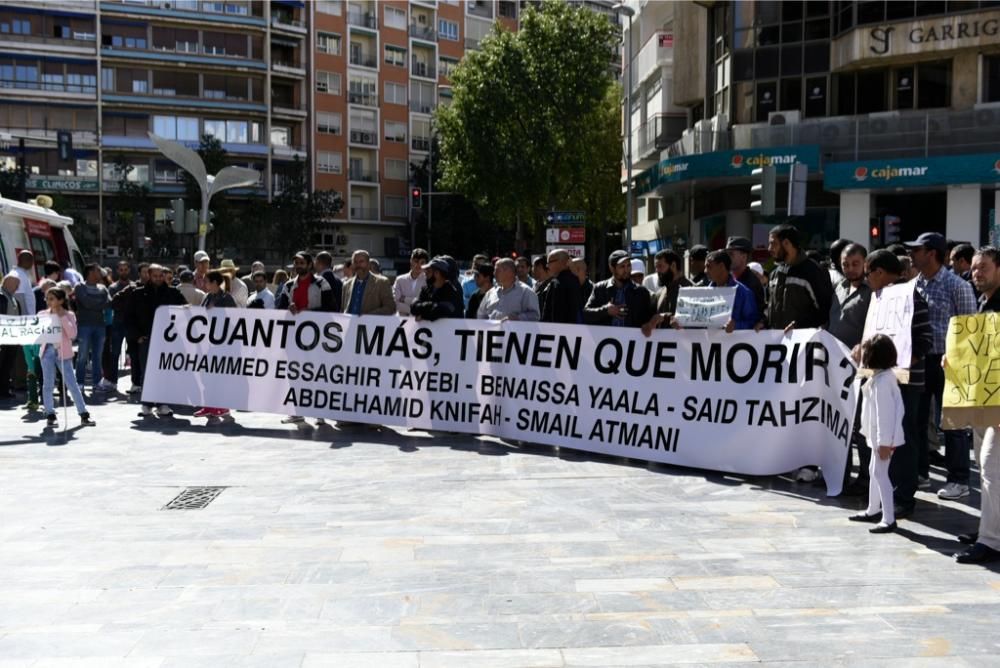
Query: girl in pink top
(61, 356)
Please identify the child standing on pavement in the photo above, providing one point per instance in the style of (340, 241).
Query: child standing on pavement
(61, 355)
(882, 426)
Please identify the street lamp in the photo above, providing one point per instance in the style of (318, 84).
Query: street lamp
(191, 162)
(623, 8)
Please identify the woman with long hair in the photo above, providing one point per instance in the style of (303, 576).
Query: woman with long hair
(60, 356)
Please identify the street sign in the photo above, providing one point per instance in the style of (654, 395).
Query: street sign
(566, 235)
(640, 248)
(574, 251)
(565, 218)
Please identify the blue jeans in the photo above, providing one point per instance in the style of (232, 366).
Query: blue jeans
(50, 361)
(90, 339)
(117, 333)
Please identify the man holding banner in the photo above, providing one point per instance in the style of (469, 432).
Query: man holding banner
(745, 308)
(618, 301)
(11, 304)
(898, 310)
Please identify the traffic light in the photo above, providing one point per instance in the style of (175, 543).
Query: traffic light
(891, 226)
(416, 201)
(762, 192)
(64, 140)
(175, 216)
(875, 235)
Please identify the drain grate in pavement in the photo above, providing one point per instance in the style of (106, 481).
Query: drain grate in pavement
(194, 498)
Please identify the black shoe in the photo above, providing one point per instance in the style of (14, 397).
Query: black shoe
(863, 517)
(86, 421)
(968, 538)
(935, 457)
(51, 420)
(978, 554)
(883, 528)
(904, 510)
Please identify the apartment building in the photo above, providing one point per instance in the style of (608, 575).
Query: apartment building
(110, 71)
(894, 107)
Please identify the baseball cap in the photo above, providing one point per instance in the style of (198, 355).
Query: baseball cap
(929, 240)
(698, 252)
(740, 244)
(638, 267)
(200, 256)
(617, 258)
(438, 263)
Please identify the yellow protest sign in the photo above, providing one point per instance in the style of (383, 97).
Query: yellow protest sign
(972, 375)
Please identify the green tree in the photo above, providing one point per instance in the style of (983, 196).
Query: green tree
(532, 118)
(131, 209)
(298, 214)
(10, 182)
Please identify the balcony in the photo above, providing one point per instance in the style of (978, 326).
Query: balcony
(425, 33)
(420, 144)
(364, 99)
(422, 106)
(367, 138)
(424, 70)
(363, 213)
(364, 60)
(362, 19)
(657, 52)
(480, 8)
(656, 134)
(287, 152)
(288, 68)
(88, 89)
(363, 175)
(285, 21)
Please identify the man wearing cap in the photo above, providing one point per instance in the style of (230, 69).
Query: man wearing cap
(193, 295)
(739, 250)
(638, 271)
(947, 295)
(618, 301)
(201, 267)
(511, 299)
(366, 293)
(697, 257)
(439, 298)
(562, 301)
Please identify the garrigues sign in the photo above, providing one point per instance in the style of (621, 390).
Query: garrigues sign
(959, 31)
(752, 403)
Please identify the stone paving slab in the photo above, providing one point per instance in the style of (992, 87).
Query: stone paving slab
(404, 549)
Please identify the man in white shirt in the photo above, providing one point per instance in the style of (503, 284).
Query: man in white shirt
(407, 287)
(25, 271)
(263, 297)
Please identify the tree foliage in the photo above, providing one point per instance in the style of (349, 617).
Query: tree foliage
(534, 122)
(296, 214)
(131, 209)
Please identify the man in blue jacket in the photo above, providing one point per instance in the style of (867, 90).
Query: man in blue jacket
(745, 310)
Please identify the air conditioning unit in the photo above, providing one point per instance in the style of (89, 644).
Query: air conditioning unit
(784, 117)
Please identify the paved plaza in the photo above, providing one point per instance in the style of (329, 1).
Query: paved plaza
(398, 549)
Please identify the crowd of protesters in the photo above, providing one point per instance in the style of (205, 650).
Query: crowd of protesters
(897, 428)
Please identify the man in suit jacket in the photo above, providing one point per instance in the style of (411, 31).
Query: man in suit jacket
(366, 293)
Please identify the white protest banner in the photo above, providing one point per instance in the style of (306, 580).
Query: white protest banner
(890, 312)
(27, 330)
(752, 403)
(705, 307)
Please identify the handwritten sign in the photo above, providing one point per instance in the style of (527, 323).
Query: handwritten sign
(26, 330)
(705, 307)
(890, 312)
(972, 376)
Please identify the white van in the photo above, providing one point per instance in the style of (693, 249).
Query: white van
(39, 229)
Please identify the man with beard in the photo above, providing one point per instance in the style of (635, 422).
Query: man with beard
(308, 291)
(801, 292)
(139, 323)
(366, 293)
(670, 280)
(562, 301)
(618, 301)
(739, 250)
(439, 298)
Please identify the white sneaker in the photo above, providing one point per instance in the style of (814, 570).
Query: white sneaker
(293, 419)
(952, 491)
(146, 411)
(806, 474)
(164, 410)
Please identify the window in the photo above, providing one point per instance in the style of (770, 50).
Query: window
(328, 123)
(328, 162)
(187, 128)
(446, 66)
(448, 30)
(328, 82)
(933, 85)
(236, 132)
(329, 7)
(182, 128)
(279, 136)
(395, 18)
(395, 132)
(816, 97)
(328, 43)
(140, 85)
(396, 170)
(395, 93)
(107, 79)
(395, 55)
(395, 206)
(215, 128)
(991, 78)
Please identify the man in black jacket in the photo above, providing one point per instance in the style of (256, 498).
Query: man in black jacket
(562, 301)
(324, 267)
(801, 291)
(139, 322)
(439, 298)
(618, 301)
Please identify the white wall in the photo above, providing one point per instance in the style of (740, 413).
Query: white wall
(963, 214)
(855, 214)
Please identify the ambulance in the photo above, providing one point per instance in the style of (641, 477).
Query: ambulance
(36, 227)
